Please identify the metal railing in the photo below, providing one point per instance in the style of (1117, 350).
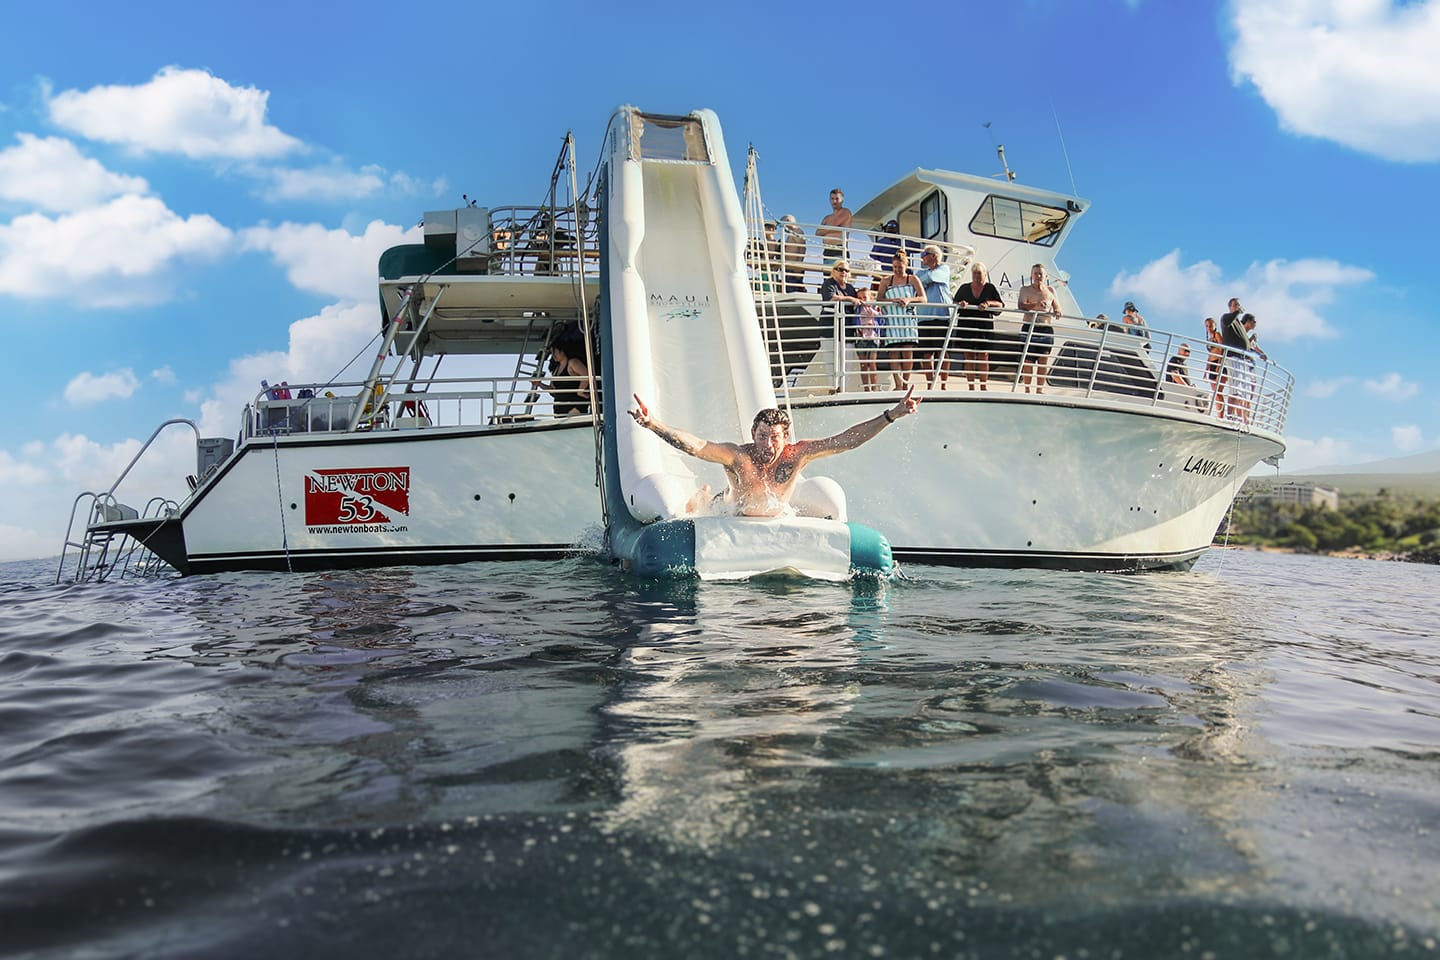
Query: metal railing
(818, 349)
(93, 550)
(101, 554)
(427, 403)
(544, 242)
(799, 260)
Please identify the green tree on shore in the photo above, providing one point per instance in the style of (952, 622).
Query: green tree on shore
(1378, 524)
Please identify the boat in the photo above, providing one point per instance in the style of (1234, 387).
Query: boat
(661, 274)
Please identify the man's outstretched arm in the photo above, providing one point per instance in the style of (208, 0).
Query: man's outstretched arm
(682, 440)
(863, 431)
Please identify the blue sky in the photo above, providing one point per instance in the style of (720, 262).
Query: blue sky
(193, 196)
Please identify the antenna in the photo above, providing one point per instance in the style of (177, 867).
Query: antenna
(1000, 151)
(1074, 191)
(1009, 174)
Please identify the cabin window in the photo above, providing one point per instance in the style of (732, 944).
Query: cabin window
(932, 216)
(1013, 219)
(667, 138)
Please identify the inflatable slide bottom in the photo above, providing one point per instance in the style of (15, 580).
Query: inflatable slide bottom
(733, 548)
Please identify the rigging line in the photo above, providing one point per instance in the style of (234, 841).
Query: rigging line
(1230, 513)
(144, 544)
(1074, 190)
(769, 301)
(336, 375)
(598, 182)
(280, 495)
(600, 160)
(596, 428)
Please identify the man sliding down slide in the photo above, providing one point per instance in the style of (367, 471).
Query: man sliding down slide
(763, 473)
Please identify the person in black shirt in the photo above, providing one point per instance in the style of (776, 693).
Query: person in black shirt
(979, 304)
(838, 289)
(1234, 339)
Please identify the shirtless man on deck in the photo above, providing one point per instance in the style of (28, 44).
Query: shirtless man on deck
(763, 473)
(840, 218)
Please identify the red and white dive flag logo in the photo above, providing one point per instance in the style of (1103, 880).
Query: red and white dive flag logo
(359, 495)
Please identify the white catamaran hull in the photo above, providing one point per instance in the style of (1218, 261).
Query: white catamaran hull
(426, 496)
(982, 483)
(972, 482)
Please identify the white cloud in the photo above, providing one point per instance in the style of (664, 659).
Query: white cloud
(320, 346)
(406, 184)
(1285, 295)
(335, 182)
(117, 254)
(50, 475)
(1392, 386)
(1408, 438)
(18, 473)
(1321, 389)
(1358, 72)
(163, 375)
(51, 174)
(87, 388)
(190, 112)
(323, 183)
(220, 411)
(336, 263)
(1304, 454)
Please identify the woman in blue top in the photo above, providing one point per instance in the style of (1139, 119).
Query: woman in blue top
(897, 292)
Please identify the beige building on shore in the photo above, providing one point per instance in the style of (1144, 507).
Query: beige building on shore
(1298, 492)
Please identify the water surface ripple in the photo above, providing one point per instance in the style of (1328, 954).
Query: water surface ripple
(557, 760)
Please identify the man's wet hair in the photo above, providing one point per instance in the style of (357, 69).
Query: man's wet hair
(770, 416)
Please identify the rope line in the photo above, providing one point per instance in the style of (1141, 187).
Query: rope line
(1230, 512)
(280, 494)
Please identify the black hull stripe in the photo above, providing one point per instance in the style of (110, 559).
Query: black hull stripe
(308, 560)
(311, 560)
(1043, 560)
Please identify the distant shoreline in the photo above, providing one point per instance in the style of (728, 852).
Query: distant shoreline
(1352, 553)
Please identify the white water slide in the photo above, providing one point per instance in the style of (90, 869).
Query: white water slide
(685, 338)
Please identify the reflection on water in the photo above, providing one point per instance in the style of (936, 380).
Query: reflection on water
(722, 697)
(964, 760)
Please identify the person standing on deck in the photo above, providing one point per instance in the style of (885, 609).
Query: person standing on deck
(1236, 341)
(898, 291)
(979, 303)
(1214, 351)
(792, 247)
(886, 245)
(1135, 324)
(1042, 306)
(832, 228)
(934, 321)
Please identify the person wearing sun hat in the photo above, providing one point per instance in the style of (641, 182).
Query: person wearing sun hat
(792, 248)
(1135, 324)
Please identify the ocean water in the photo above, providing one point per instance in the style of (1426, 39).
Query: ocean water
(556, 760)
